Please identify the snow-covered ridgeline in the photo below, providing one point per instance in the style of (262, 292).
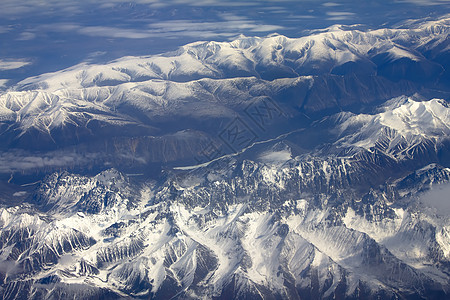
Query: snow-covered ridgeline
(148, 248)
(335, 46)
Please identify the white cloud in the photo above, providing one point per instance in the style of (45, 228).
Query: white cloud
(218, 3)
(26, 36)
(330, 4)
(438, 199)
(339, 15)
(12, 64)
(18, 161)
(230, 26)
(20, 194)
(425, 2)
(113, 32)
(10, 8)
(301, 17)
(4, 29)
(266, 28)
(227, 25)
(3, 83)
(14, 8)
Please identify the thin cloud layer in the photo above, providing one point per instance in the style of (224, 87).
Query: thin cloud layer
(438, 199)
(3, 83)
(21, 161)
(330, 4)
(112, 32)
(339, 15)
(227, 25)
(425, 2)
(12, 64)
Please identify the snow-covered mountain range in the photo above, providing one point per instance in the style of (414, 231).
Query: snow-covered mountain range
(333, 69)
(262, 168)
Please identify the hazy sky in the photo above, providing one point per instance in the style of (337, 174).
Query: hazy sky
(38, 36)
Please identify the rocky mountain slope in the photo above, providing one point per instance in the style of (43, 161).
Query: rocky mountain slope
(328, 224)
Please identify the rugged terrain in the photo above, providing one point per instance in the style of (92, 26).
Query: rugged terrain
(262, 168)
